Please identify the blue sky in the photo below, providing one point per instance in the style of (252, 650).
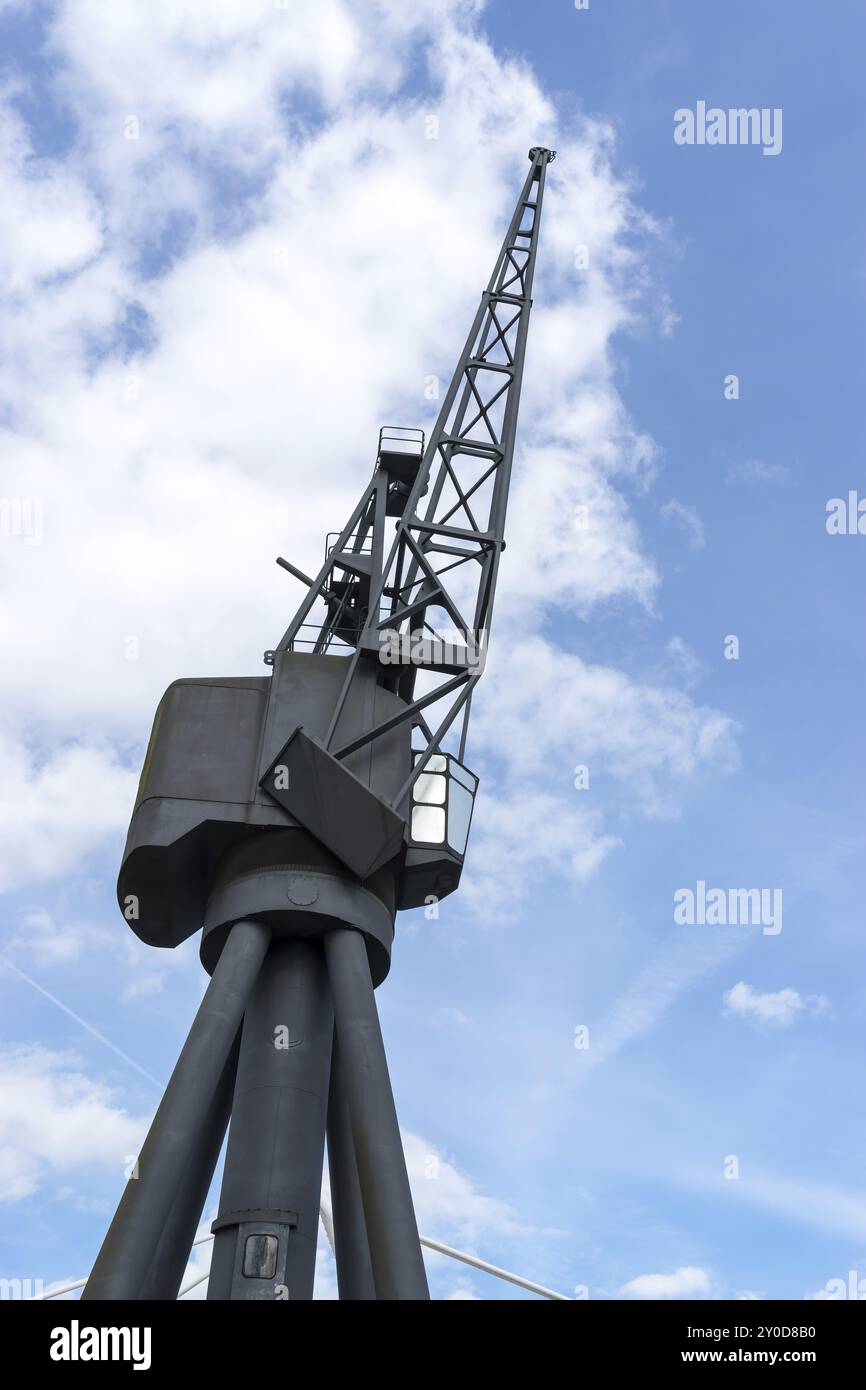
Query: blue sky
(173, 306)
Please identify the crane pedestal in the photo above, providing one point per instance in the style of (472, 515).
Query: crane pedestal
(299, 974)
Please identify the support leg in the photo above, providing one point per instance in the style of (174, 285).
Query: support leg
(390, 1217)
(352, 1250)
(267, 1229)
(131, 1243)
(167, 1268)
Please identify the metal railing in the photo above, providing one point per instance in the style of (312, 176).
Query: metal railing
(307, 641)
(401, 439)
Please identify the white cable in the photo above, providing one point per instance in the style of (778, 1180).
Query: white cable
(79, 1283)
(55, 1293)
(493, 1269)
(327, 1223)
(199, 1279)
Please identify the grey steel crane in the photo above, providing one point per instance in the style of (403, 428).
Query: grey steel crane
(290, 817)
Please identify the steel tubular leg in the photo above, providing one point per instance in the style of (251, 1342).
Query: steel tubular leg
(130, 1246)
(352, 1249)
(167, 1267)
(268, 1224)
(390, 1217)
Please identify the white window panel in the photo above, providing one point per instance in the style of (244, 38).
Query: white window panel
(459, 816)
(428, 824)
(435, 763)
(430, 788)
(469, 780)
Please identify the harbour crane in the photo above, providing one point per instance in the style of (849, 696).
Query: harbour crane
(290, 817)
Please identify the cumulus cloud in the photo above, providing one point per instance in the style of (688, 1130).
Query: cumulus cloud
(50, 222)
(520, 835)
(685, 1282)
(449, 1208)
(168, 478)
(45, 941)
(54, 1118)
(852, 1286)
(181, 416)
(778, 1010)
(648, 737)
(572, 541)
(448, 1205)
(684, 661)
(274, 222)
(56, 808)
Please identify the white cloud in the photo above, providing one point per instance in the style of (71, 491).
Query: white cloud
(755, 472)
(163, 512)
(777, 1010)
(50, 222)
(541, 713)
(289, 326)
(448, 1208)
(686, 1282)
(684, 661)
(688, 520)
(571, 539)
(852, 1286)
(521, 831)
(651, 739)
(54, 1118)
(170, 475)
(45, 941)
(219, 73)
(447, 1204)
(56, 810)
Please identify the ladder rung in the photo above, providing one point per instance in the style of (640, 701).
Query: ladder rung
(474, 447)
(489, 366)
(456, 532)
